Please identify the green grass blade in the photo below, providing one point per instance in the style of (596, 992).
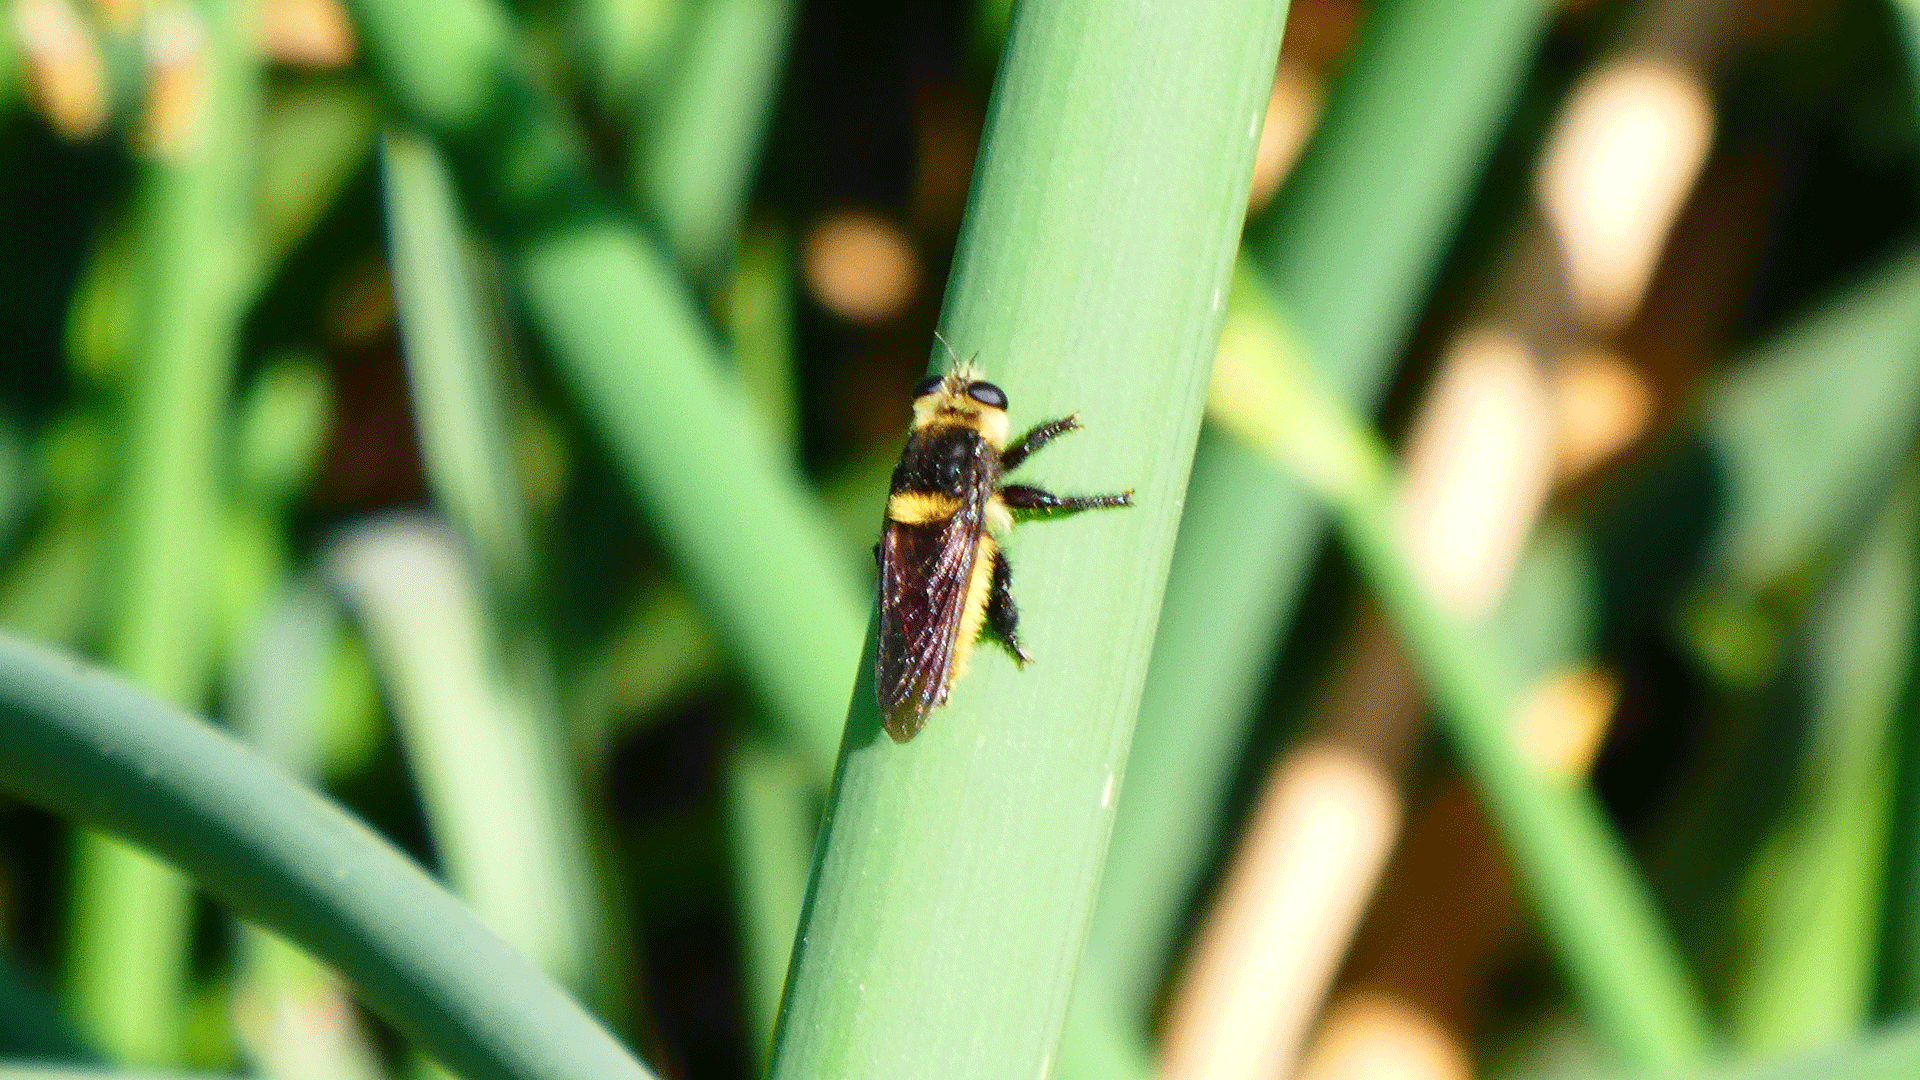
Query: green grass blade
(1355, 236)
(1810, 430)
(314, 137)
(1607, 934)
(25, 1071)
(1815, 892)
(1102, 1040)
(292, 1015)
(695, 153)
(11, 64)
(83, 744)
(772, 816)
(496, 816)
(1907, 13)
(624, 47)
(1353, 240)
(130, 941)
(755, 551)
(452, 365)
(760, 324)
(1897, 992)
(1791, 453)
(1889, 1055)
(957, 871)
(460, 399)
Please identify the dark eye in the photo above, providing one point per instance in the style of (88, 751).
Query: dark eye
(927, 386)
(987, 394)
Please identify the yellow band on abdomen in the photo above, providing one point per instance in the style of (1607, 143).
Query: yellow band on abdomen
(921, 507)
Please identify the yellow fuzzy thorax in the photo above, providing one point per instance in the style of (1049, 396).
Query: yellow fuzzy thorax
(950, 406)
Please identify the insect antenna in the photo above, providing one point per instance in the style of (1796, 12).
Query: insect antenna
(951, 355)
(964, 369)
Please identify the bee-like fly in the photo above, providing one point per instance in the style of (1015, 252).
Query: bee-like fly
(943, 578)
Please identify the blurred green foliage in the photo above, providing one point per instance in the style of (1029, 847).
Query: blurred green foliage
(458, 403)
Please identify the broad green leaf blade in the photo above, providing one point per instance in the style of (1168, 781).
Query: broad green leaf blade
(956, 874)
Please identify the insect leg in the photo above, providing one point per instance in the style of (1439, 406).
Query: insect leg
(1032, 441)
(1032, 500)
(1002, 618)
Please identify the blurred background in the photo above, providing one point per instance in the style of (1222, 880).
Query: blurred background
(276, 441)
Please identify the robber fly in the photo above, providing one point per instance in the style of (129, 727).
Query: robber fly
(943, 578)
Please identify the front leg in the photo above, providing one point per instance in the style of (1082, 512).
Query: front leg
(1032, 500)
(1032, 441)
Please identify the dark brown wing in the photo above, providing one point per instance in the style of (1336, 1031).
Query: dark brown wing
(924, 571)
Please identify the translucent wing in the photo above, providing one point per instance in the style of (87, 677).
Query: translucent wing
(924, 573)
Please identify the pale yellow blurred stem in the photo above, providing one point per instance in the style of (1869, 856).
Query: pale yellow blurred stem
(1520, 400)
(1411, 989)
(1299, 93)
(1627, 149)
(1478, 470)
(1479, 462)
(66, 74)
(1313, 849)
(1444, 908)
(1624, 156)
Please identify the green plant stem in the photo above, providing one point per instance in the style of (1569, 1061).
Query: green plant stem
(1889, 1055)
(754, 549)
(1897, 992)
(771, 819)
(696, 148)
(538, 844)
(1816, 890)
(1606, 930)
(1091, 276)
(290, 1013)
(129, 948)
(457, 379)
(85, 745)
(1350, 244)
(475, 754)
(1607, 934)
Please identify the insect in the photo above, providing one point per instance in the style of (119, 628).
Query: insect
(943, 578)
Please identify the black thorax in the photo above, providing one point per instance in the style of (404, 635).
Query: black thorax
(945, 460)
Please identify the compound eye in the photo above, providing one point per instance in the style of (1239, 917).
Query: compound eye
(987, 394)
(927, 386)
